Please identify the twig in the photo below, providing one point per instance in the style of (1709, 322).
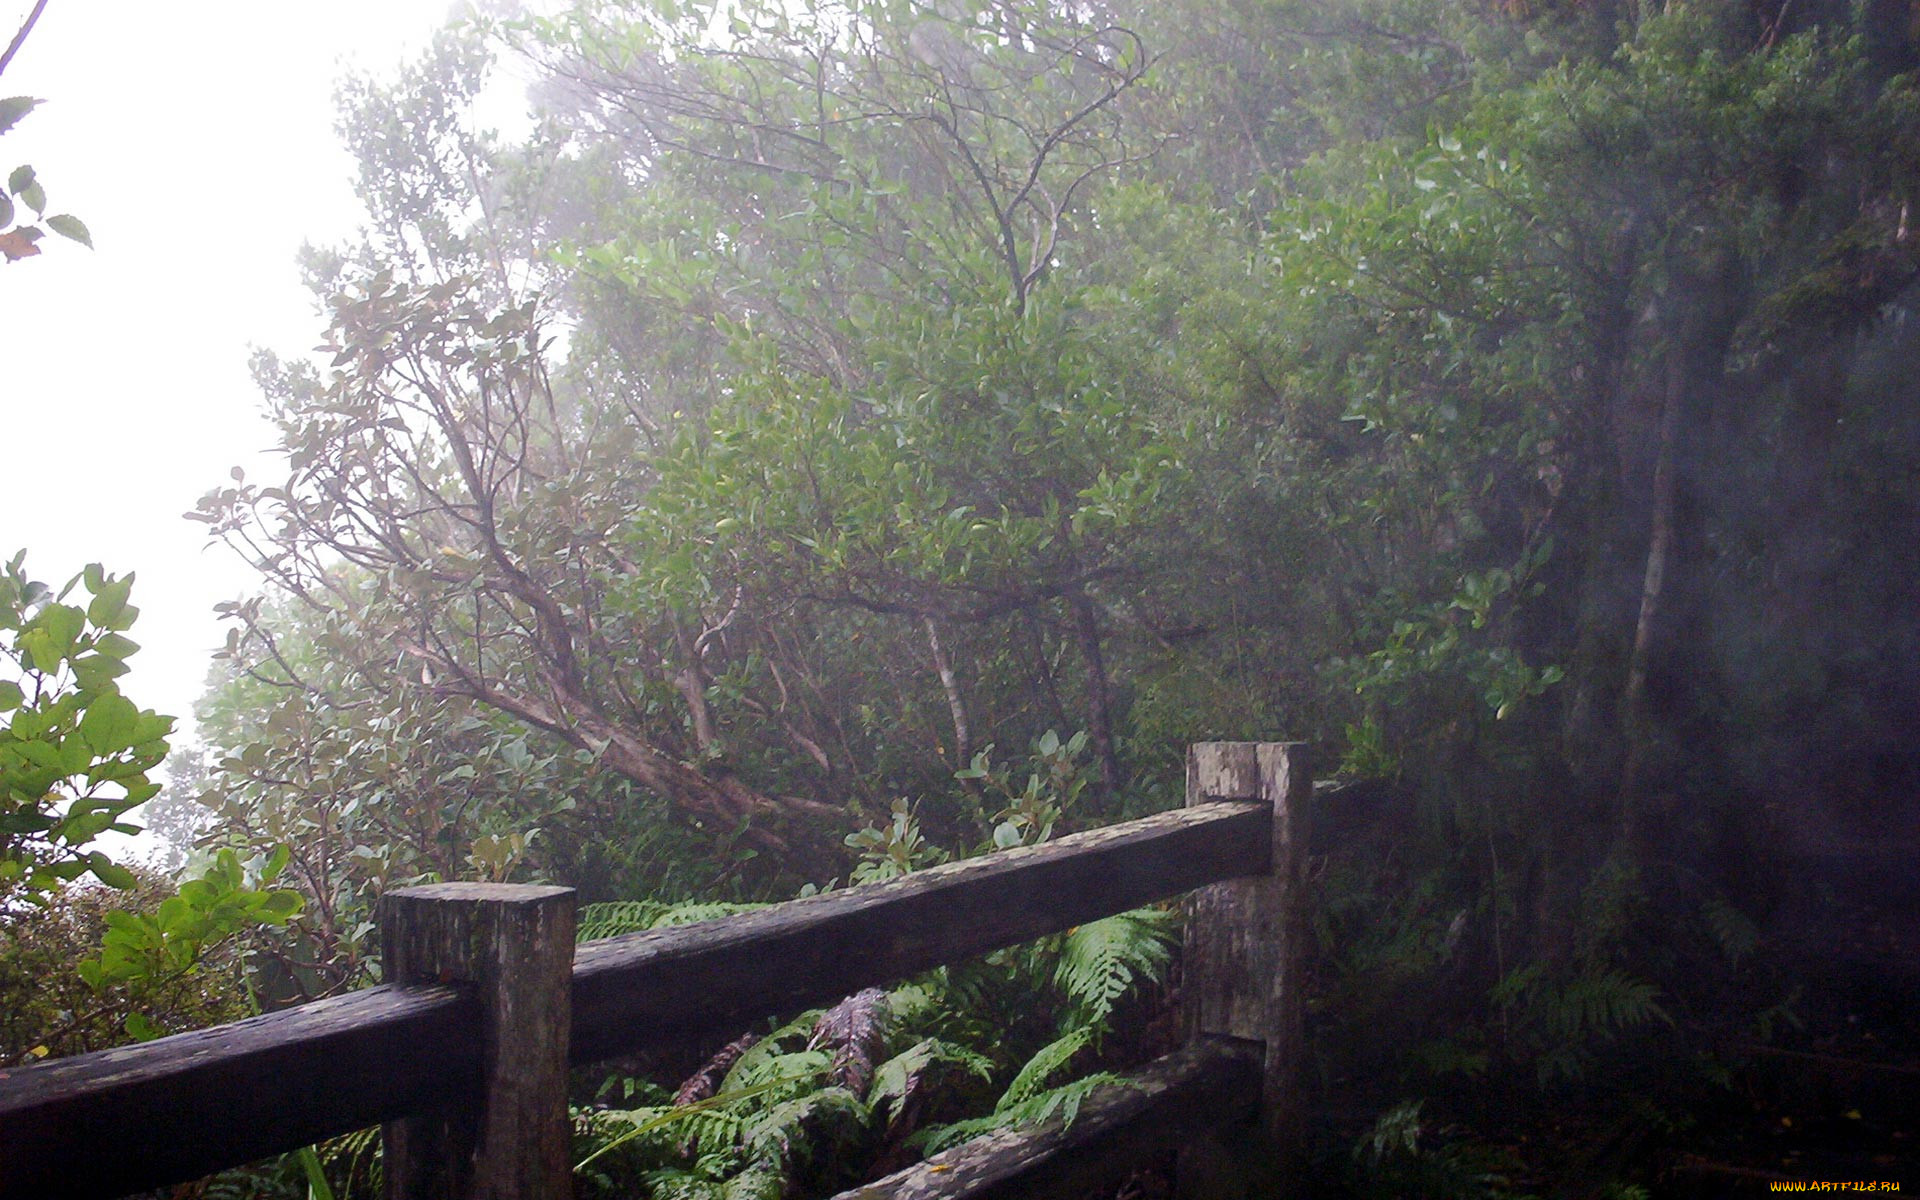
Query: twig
(20, 39)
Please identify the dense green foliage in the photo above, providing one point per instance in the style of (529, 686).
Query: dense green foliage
(75, 753)
(691, 494)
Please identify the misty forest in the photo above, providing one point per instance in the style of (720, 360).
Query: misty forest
(830, 440)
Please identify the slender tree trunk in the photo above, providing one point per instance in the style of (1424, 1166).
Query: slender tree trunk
(1636, 720)
(692, 683)
(956, 703)
(1086, 628)
(1703, 308)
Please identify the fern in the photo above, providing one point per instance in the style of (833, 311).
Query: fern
(797, 1129)
(1101, 961)
(1397, 1131)
(819, 1097)
(802, 1067)
(677, 1183)
(661, 1126)
(693, 912)
(1045, 1063)
(855, 1029)
(618, 917)
(758, 1181)
(1063, 1102)
(711, 1077)
(1601, 1003)
(355, 1159)
(754, 1064)
(1560, 1021)
(1733, 931)
(896, 1081)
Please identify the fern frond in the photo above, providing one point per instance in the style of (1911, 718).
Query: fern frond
(675, 1183)
(693, 912)
(760, 1180)
(1046, 1062)
(1602, 1003)
(793, 1070)
(1734, 931)
(615, 918)
(676, 1128)
(1063, 1102)
(795, 1130)
(900, 1078)
(1102, 960)
(354, 1158)
(1397, 1131)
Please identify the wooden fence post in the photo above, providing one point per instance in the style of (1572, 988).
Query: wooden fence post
(515, 945)
(1246, 937)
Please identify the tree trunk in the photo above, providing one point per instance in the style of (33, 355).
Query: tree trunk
(1636, 720)
(1086, 628)
(956, 703)
(1703, 308)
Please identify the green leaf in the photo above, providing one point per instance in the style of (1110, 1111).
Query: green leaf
(116, 646)
(20, 180)
(110, 724)
(111, 873)
(317, 1186)
(110, 605)
(13, 108)
(35, 197)
(76, 754)
(11, 697)
(70, 227)
(63, 624)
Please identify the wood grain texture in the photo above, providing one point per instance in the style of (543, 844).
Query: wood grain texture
(1245, 937)
(509, 1138)
(142, 1116)
(1208, 1085)
(668, 986)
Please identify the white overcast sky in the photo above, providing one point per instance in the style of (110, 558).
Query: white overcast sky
(196, 141)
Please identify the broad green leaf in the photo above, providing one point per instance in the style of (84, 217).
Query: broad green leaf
(62, 624)
(76, 754)
(111, 873)
(110, 724)
(70, 227)
(115, 645)
(110, 605)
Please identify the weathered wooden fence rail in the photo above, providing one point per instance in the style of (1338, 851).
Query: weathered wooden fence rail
(449, 1043)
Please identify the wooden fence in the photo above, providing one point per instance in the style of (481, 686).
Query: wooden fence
(464, 1053)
